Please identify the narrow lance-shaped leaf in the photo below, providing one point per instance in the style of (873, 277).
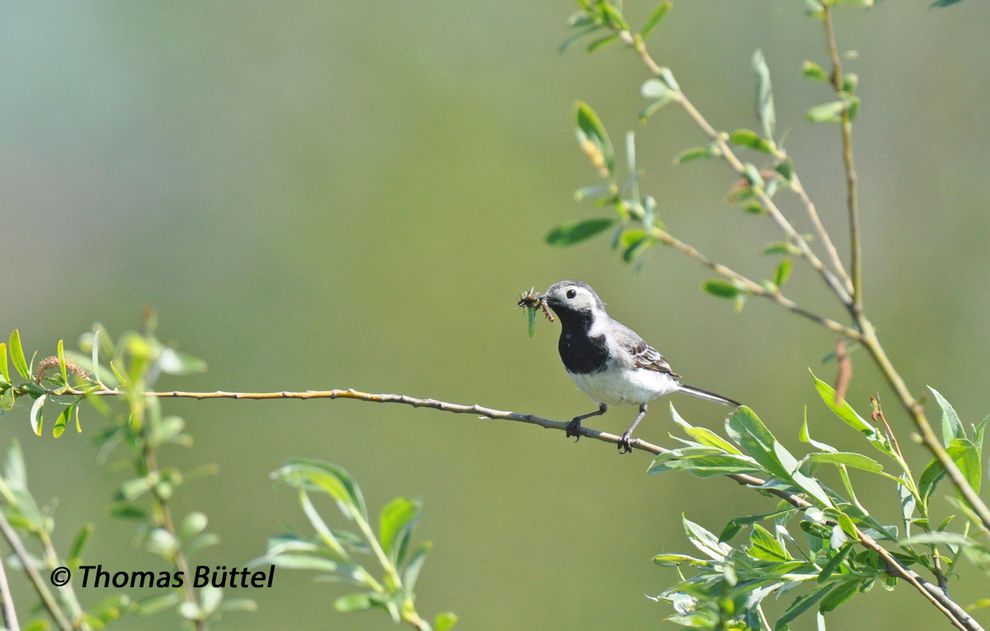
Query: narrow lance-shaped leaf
(764, 94)
(841, 593)
(783, 272)
(764, 546)
(17, 355)
(749, 138)
(37, 419)
(61, 362)
(800, 605)
(721, 288)
(826, 112)
(813, 71)
(593, 140)
(577, 231)
(952, 427)
(656, 16)
(849, 416)
(445, 621)
(4, 369)
(397, 515)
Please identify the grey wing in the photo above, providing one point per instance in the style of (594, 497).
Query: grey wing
(641, 354)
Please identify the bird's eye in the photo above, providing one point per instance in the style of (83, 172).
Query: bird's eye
(571, 293)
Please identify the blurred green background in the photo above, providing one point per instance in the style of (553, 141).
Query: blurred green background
(320, 195)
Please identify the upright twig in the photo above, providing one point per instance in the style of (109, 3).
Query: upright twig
(798, 187)
(9, 612)
(163, 517)
(867, 332)
(852, 180)
(40, 587)
(66, 591)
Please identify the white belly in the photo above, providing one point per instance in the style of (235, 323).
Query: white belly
(632, 387)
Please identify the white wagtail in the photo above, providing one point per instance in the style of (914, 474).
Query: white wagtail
(608, 360)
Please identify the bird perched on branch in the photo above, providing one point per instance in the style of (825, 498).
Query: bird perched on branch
(608, 360)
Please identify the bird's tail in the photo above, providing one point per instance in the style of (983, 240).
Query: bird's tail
(708, 396)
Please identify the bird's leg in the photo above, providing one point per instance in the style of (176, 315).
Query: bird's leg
(624, 444)
(574, 427)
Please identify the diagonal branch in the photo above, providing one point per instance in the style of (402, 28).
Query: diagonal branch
(737, 165)
(959, 618)
(9, 612)
(798, 187)
(752, 287)
(39, 584)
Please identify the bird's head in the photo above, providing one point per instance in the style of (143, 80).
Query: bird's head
(573, 300)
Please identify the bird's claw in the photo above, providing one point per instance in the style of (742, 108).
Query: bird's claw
(574, 429)
(625, 443)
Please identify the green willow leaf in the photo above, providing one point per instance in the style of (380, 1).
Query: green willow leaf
(800, 605)
(834, 563)
(826, 112)
(445, 621)
(765, 547)
(695, 153)
(952, 427)
(396, 516)
(841, 593)
(353, 602)
(848, 415)
(37, 418)
(593, 139)
(813, 71)
(783, 272)
(4, 369)
(848, 458)
(17, 355)
(749, 138)
(722, 288)
(61, 362)
(577, 231)
(656, 16)
(764, 94)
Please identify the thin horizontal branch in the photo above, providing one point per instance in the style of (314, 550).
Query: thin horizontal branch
(939, 599)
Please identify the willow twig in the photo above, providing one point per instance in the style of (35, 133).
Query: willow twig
(730, 158)
(163, 517)
(852, 180)
(752, 287)
(66, 591)
(9, 612)
(867, 332)
(798, 187)
(14, 541)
